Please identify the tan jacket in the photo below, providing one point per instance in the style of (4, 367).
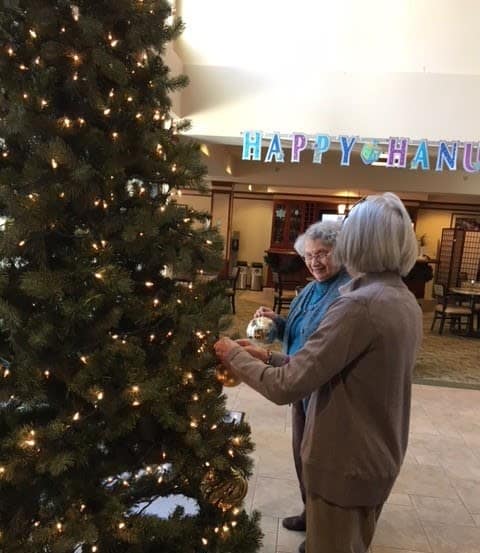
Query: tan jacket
(358, 367)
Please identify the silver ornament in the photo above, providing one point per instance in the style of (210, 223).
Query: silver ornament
(262, 330)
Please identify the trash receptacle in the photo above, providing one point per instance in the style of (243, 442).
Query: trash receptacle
(256, 276)
(242, 275)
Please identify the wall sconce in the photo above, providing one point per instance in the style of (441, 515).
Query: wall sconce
(250, 188)
(204, 149)
(341, 209)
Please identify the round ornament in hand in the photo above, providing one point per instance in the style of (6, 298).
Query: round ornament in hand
(262, 330)
(226, 377)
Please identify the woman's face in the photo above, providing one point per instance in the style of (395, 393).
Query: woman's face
(318, 259)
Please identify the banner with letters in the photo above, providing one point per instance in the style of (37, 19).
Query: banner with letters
(439, 155)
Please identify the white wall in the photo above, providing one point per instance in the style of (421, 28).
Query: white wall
(374, 69)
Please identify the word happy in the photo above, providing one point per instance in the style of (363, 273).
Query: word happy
(447, 155)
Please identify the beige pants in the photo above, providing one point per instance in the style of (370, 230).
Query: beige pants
(334, 529)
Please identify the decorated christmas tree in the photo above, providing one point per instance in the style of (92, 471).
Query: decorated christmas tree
(109, 406)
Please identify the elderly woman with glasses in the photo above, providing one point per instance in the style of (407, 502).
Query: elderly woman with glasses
(358, 367)
(316, 247)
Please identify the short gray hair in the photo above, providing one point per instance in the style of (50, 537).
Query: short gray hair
(378, 236)
(326, 231)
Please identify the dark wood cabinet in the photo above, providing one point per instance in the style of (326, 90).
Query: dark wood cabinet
(287, 223)
(292, 218)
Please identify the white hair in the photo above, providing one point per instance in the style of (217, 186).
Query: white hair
(326, 231)
(378, 236)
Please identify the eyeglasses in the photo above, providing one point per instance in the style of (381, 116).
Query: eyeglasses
(320, 255)
(358, 202)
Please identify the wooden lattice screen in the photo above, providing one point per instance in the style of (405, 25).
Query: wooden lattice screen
(470, 264)
(459, 257)
(445, 257)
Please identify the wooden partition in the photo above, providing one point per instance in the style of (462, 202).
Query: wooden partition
(459, 257)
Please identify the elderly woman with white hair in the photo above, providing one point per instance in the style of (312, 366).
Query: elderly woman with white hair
(316, 246)
(358, 368)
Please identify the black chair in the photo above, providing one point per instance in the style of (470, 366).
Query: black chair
(231, 290)
(281, 297)
(447, 308)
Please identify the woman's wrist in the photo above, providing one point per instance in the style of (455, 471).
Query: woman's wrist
(268, 358)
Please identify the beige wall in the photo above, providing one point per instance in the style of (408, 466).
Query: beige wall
(430, 223)
(218, 205)
(199, 203)
(221, 202)
(253, 220)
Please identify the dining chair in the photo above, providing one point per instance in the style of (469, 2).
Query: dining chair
(281, 297)
(448, 309)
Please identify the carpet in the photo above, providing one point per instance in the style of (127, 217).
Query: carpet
(447, 359)
(444, 360)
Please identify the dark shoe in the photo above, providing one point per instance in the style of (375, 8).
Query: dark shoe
(301, 547)
(295, 523)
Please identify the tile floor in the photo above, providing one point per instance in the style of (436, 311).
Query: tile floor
(435, 504)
